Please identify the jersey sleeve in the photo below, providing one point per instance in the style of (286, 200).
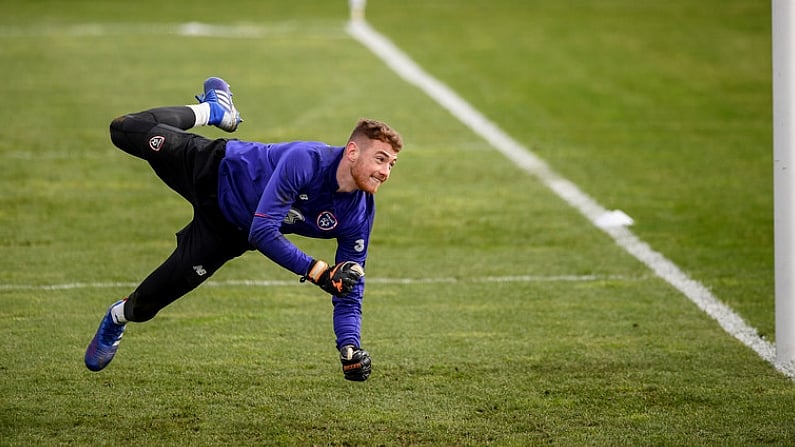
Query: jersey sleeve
(292, 172)
(348, 309)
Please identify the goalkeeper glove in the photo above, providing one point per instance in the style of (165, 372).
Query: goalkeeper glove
(338, 280)
(355, 363)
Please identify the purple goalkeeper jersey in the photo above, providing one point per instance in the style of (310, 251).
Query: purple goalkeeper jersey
(270, 190)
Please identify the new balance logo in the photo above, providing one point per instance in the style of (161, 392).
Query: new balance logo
(293, 216)
(199, 269)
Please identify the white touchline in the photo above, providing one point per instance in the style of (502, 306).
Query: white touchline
(568, 191)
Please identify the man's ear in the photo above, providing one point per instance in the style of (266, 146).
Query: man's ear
(352, 150)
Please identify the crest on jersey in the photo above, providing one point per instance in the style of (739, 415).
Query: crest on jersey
(326, 221)
(293, 216)
(156, 142)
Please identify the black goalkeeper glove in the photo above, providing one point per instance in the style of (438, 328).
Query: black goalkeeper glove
(355, 363)
(338, 280)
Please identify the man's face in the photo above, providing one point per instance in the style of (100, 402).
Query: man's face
(373, 165)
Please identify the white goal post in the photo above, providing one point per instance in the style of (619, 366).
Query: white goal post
(783, 13)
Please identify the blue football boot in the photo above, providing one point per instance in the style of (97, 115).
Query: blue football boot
(223, 113)
(105, 343)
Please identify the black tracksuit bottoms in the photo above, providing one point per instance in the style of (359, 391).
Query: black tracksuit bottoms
(188, 164)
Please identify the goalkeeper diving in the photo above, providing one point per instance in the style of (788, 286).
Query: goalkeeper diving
(246, 196)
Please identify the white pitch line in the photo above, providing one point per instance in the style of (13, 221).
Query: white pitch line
(376, 280)
(412, 73)
(325, 29)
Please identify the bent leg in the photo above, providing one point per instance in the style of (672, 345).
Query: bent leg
(199, 254)
(186, 162)
(132, 133)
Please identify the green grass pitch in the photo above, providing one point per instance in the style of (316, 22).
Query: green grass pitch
(660, 109)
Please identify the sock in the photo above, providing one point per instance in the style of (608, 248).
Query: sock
(117, 313)
(203, 112)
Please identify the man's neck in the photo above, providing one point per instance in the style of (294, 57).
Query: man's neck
(344, 179)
